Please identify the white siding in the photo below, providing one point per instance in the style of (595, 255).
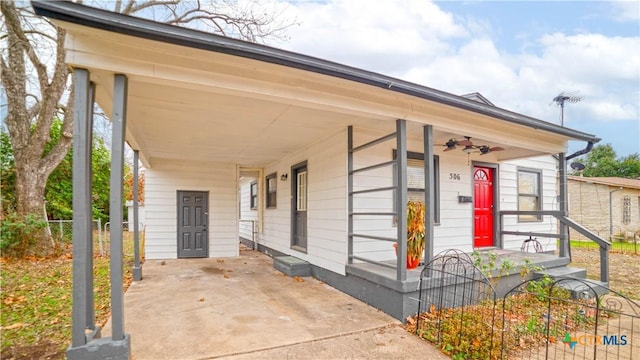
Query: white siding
(163, 181)
(326, 207)
(509, 200)
(327, 202)
(246, 212)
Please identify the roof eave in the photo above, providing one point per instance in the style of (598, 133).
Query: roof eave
(110, 21)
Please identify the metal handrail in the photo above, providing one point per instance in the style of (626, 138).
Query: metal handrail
(253, 232)
(603, 244)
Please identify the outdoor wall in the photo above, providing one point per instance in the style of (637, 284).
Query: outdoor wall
(246, 212)
(455, 229)
(589, 206)
(509, 200)
(162, 182)
(326, 206)
(141, 216)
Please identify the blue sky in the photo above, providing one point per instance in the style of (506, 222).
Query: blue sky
(518, 54)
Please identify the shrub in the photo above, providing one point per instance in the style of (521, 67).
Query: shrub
(19, 234)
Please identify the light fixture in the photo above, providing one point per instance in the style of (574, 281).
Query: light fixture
(468, 149)
(284, 177)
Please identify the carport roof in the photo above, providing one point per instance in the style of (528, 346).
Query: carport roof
(145, 29)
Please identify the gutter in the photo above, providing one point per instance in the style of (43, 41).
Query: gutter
(147, 29)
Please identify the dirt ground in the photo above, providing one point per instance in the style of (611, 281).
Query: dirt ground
(624, 269)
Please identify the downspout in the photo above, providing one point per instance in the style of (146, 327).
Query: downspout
(565, 244)
(583, 151)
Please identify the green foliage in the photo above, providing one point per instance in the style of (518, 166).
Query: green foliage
(7, 174)
(19, 233)
(59, 190)
(602, 161)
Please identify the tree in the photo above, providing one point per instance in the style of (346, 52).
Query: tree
(602, 161)
(58, 190)
(39, 87)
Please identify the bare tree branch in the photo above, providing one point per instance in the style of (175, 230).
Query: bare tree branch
(132, 8)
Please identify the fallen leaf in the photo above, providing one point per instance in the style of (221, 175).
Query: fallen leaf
(201, 299)
(14, 326)
(411, 320)
(298, 279)
(226, 276)
(229, 270)
(220, 260)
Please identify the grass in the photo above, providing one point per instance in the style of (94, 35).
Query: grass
(625, 247)
(36, 302)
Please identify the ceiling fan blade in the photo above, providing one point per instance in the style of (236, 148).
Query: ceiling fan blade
(466, 142)
(496, 148)
(449, 148)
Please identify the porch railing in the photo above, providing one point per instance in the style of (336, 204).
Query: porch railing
(603, 244)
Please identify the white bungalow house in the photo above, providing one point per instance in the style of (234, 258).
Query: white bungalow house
(321, 156)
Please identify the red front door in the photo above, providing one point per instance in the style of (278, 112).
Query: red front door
(483, 206)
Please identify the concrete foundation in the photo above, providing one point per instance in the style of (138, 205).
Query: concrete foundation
(102, 349)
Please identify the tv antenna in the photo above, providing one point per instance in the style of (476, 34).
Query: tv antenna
(570, 97)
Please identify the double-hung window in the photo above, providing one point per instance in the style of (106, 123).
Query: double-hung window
(529, 193)
(415, 180)
(254, 195)
(271, 193)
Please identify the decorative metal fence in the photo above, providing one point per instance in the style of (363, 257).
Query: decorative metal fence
(538, 319)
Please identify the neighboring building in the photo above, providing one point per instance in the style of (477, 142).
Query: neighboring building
(320, 155)
(604, 203)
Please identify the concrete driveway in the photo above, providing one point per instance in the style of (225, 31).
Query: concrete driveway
(242, 308)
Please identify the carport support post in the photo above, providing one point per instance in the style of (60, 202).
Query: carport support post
(82, 307)
(118, 120)
(562, 174)
(429, 192)
(137, 270)
(401, 204)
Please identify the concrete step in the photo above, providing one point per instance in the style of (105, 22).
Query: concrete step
(292, 266)
(562, 271)
(585, 288)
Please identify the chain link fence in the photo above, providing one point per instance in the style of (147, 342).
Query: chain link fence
(62, 232)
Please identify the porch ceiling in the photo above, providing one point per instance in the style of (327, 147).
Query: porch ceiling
(188, 103)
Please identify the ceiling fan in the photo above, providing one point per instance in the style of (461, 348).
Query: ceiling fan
(469, 147)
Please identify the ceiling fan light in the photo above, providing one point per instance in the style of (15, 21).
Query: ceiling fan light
(468, 149)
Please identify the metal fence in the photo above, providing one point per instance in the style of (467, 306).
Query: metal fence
(546, 318)
(62, 232)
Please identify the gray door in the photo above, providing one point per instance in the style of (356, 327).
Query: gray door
(299, 206)
(193, 210)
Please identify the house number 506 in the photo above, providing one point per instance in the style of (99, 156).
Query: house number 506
(453, 176)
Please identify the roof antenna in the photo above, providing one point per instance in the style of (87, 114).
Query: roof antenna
(571, 97)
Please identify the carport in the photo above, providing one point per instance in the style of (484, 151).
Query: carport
(241, 308)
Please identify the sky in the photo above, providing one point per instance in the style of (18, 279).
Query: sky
(518, 54)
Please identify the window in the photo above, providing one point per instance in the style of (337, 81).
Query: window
(415, 180)
(254, 195)
(626, 210)
(529, 193)
(271, 181)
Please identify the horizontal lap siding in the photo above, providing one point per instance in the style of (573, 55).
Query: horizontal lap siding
(163, 181)
(246, 213)
(326, 205)
(509, 200)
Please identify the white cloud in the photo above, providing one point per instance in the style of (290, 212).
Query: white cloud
(624, 11)
(417, 41)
